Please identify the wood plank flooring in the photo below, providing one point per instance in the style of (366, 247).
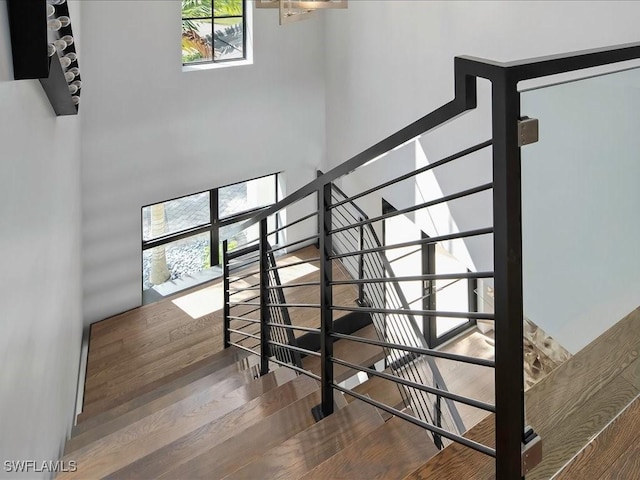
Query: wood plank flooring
(358, 354)
(567, 409)
(136, 352)
(608, 455)
(390, 451)
(304, 451)
(213, 419)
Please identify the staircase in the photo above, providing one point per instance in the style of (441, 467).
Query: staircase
(223, 420)
(272, 404)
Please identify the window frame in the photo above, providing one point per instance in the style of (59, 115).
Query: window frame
(215, 222)
(245, 57)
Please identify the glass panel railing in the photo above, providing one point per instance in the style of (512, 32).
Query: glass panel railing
(580, 255)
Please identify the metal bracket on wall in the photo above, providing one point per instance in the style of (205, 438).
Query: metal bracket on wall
(531, 450)
(527, 131)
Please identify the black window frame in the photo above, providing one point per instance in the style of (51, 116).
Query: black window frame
(215, 222)
(212, 18)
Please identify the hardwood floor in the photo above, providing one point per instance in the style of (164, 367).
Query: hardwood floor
(211, 418)
(294, 457)
(358, 354)
(613, 454)
(140, 349)
(568, 409)
(390, 451)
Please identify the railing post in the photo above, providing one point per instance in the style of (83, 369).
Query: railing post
(326, 299)
(361, 300)
(507, 251)
(437, 439)
(225, 288)
(264, 298)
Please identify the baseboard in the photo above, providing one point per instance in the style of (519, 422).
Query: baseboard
(82, 373)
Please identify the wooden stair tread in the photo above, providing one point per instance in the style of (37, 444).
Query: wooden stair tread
(381, 390)
(219, 382)
(390, 451)
(626, 466)
(134, 376)
(566, 408)
(309, 448)
(160, 342)
(212, 462)
(226, 413)
(356, 353)
(581, 396)
(457, 462)
(197, 454)
(226, 362)
(185, 375)
(599, 457)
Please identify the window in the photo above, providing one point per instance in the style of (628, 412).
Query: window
(454, 295)
(213, 31)
(181, 237)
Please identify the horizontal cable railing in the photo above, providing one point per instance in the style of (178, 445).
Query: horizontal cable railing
(431, 203)
(402, 328)
(414, 173)
(424, 313)
(422, 241)
(351, 250)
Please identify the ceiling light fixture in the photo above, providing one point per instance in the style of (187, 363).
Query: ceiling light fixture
(294, 10)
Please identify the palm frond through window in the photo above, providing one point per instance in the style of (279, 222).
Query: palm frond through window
(213, 30)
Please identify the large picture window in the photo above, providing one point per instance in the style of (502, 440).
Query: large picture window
(181, 237)
(213, 31)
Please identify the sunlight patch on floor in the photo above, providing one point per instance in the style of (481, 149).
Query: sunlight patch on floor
(201, 302)
(210, 299)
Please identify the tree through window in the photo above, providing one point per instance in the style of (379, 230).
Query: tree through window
(213, 31)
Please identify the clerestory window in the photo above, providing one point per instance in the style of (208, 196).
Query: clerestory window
(213, 31)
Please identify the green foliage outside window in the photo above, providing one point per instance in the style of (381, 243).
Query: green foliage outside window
(212, 30)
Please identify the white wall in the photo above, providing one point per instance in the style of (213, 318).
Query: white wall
(151, 132)
(389, 63)
(40, 307)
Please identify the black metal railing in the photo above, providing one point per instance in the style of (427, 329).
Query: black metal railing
(511, 441)
(262, 299)
(393, 328)
(351, 256)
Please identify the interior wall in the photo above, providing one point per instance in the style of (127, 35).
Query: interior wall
(152, 132)
(40, 308)
(390, 63)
